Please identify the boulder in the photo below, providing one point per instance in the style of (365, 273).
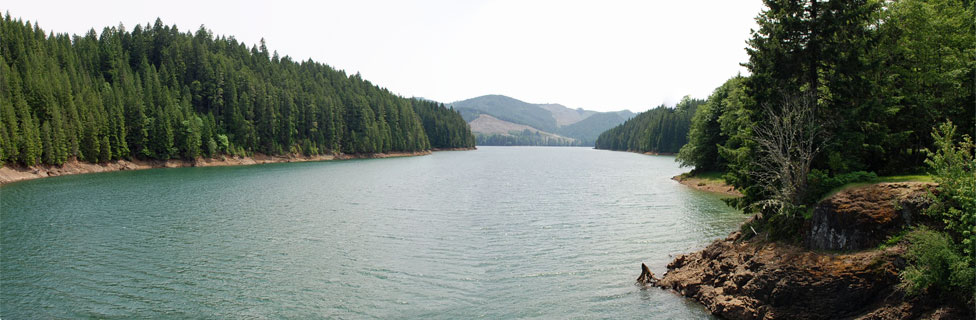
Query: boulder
(862, 218)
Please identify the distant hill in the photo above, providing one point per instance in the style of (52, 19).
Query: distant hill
(590, 128)
(509, 120)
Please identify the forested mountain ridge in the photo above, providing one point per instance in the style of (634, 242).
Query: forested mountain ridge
(659, 130)
(157, 93)
(559, 125)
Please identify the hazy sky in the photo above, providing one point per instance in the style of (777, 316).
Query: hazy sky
(599, 55)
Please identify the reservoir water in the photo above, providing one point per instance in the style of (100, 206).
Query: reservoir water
(500, 232)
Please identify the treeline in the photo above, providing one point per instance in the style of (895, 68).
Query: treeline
(659, 130)
(526, 138)
(156, 93)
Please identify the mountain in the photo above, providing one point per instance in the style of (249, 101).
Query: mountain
(498, 119)
(590, 128)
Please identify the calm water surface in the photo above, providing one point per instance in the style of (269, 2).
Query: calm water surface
(501, 232)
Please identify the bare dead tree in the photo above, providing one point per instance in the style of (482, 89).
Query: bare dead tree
(788, 139)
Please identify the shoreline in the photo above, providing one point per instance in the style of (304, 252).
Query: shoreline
(454, 149)
(701, 184)
(707, 185)
(649, 153)
(15, 173)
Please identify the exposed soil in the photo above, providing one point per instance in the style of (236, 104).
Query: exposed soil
(13, 173)
(708, 185)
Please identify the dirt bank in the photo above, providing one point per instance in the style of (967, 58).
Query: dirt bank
(709, 185)
(13, 173)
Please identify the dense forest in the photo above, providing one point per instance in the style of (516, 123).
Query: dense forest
(659, 130)
(444, 126)
(157, 93)
(849, 91)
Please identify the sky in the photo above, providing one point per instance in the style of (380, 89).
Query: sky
(598, 55)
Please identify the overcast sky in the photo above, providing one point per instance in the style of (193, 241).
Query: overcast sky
(598, 55)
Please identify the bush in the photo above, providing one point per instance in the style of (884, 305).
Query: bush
(944, 260)
(935, 264)
(955, 171)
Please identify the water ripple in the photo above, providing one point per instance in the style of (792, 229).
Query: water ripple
(493, 233)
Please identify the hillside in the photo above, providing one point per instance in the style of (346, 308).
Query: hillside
(565, 125)
(158, 93)
(492, 131)
(588, 129)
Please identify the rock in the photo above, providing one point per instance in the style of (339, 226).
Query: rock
(764, 280)
(863, 217)
(738, 278)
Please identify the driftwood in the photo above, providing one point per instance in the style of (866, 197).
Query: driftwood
(646, 277)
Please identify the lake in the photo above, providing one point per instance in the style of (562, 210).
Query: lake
(500, 232)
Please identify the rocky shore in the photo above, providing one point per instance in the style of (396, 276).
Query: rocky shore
(839, 271)
(13, 173)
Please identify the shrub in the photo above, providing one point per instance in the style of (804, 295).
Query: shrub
(955, 171)
(933, 263)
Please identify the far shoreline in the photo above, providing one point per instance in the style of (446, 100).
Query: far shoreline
(16, 173)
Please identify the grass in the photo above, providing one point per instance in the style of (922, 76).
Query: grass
(901, 178)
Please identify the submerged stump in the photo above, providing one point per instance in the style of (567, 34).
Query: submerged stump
(646, 277)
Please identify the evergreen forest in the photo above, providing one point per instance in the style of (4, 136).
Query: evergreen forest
(660, 130)
(156, 93)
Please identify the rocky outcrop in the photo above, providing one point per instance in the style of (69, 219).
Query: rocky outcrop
(761, 280)
(737, 278)
(862, 218)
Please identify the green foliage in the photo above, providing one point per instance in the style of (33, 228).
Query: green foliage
(445, 126)
(926, 74)
(881, 72)
(955, 171)
(933, 264)
(156, 93)
(707, 133)
(659, 130)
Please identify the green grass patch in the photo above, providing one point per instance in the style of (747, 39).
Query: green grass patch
(900, 178)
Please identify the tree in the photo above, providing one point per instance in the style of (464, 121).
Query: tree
(787, 142)
(706, 133)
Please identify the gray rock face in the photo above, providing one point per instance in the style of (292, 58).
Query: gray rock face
(863, 217)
